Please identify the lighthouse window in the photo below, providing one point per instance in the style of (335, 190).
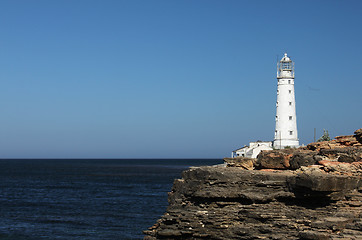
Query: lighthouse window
(288, 81)
(290, 91)
(286, 65)
(290, 117)
(290, 103)
(290, 132)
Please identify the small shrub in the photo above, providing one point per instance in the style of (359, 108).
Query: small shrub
(324, 137)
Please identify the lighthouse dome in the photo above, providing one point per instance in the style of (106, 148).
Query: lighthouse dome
(286, 58)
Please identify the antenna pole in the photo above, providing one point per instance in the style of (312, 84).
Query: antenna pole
(277, 65)
(314, 134)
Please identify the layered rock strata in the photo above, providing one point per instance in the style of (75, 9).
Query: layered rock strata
(301, 195)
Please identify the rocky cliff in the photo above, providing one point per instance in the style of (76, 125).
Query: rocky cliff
(313, 192)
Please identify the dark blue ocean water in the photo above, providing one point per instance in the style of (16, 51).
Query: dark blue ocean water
(85, 199)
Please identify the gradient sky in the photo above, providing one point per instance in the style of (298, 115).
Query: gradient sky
(171, 79)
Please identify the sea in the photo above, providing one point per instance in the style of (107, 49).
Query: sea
(85, 199)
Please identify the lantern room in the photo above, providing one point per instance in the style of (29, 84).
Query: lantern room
(285, 67)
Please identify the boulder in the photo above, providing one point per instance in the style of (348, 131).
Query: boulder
(303, 158)
(275, 159)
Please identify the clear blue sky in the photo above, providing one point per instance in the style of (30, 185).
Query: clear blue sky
(150, 79)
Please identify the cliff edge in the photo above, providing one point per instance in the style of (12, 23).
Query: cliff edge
(313, 192)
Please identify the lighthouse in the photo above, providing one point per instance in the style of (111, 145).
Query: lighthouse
(286, 134)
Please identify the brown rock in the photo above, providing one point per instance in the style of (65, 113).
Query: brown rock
(314, 235)
(338, 142)
(323, 182)
(169, 233)
(354, 168)
(343, 154)
(358, 135)
(275, 159)
(242, 162)
(317, 146)
(332, 154)
(327, 163)
(346, 140)
(302, 158)
(346, 158)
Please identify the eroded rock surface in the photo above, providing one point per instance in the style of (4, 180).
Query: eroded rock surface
(310, 194)
(232, 203)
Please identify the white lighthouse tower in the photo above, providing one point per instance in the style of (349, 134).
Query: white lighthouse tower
(286, 133)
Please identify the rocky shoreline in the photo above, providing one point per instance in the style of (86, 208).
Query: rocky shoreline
(314, 192)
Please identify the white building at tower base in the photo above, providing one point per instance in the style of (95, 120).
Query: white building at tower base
(252, 150)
